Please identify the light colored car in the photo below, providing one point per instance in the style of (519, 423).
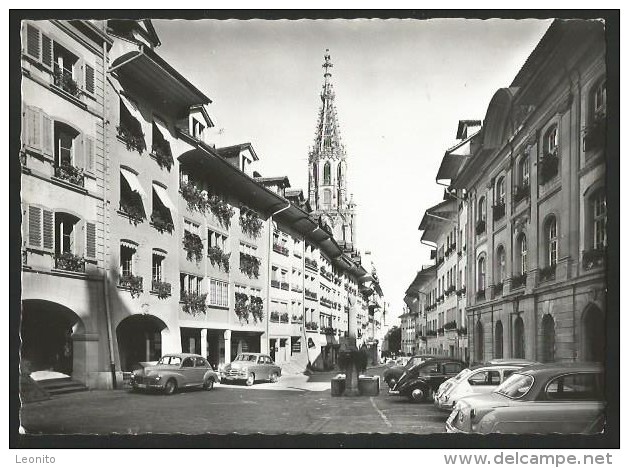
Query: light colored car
(173, 372)
(564, 398)
(250, 367)
(473, 381)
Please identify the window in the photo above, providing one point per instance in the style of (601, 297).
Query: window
(197, 128)
(127, 254)
(523, 171)
(551, 241)
(188, 362)
(327, 199)
(599, 219)
(498, 354)
(481, 274)
(190, 284)
(157, 267)
(327, 173)
(65, 233)
(65, 145)
(131, 195)
(551, 140)
(130, 128)
(219, 293)
(585, 386)
(216, 240)
(161, 217)
(482, 214)
(501, 264)
(599, 99)
(485, 378)
(451, 367)
(500, 191)
(161, 147)
(523, 252)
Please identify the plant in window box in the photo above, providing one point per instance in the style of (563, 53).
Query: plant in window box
(594, 134)
(132, 283)
(480, 227)
(594, 258)
(518, 281)
(284, 317)
(225, 262)
(521, 192)
(162, 154)
(63, 79)
(547, 273)
(250, 223)
(194, 196)
(193, 304)
(327, 331)
(275, 316)
(256, 307)
(249, 265)
(161, 222)
(296, 318)
(215, 255)
(133, 138)
(480, 295)
(440, 331)
(450, 325)
(193, 245)
(133, 208)
(69, 262)
(312, 326)
(72, 174)
(498, 287)
(462, 331)
(161, 288)
(548, 167)
(241, 307)
(221, 209)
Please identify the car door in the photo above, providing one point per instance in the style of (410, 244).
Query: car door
(263, 368)
(187, 372)
(201, 366)
(446, 370)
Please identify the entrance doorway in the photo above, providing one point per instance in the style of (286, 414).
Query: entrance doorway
(593, 334)
(139, 340)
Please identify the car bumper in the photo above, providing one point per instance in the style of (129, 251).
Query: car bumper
(394, 392)
(443, 405)
(147, 385)
(450, 429)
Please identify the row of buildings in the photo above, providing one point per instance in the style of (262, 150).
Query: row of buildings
(519, 239)
(141, 237)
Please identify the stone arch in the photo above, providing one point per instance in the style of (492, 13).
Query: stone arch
(548, 338)
(46, 331)
(593, 334)
(519, 344)
(139, 339)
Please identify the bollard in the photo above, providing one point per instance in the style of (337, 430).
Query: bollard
(337, 386)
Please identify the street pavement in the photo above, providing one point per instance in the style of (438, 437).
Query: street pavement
(295, 404)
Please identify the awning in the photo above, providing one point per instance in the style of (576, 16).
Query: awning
(133, 182)
(163, 129)
(132, 108)
(165, 199)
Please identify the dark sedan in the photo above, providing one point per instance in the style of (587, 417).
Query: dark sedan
(421, 382)
(393, 374)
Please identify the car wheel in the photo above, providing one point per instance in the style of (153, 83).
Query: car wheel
(274, 377)
(251, 378)
(418, 395)
(170, 387)
(208, 384)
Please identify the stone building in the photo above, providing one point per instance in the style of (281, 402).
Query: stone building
(535, 187)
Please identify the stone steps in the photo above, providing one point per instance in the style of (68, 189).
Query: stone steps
(61, 386)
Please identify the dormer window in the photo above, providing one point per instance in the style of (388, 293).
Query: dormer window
(197, 129)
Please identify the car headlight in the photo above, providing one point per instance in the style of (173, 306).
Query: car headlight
(158, 378)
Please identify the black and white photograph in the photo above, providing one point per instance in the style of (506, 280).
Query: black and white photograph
(287, 223)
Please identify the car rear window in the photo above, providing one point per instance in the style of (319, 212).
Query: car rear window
(485, 378)
(580, 386)
(516, 386)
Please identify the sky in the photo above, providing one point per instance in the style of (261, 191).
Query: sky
(401, 88)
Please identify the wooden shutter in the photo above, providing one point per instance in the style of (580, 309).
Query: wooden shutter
(48, 229)
(79, 73)
(46, 51)
(34, 227)
(33, 127)
(33, 43)
(89, 79)
(47, 135)
(77, 146)
(90, 240)
(90, 161)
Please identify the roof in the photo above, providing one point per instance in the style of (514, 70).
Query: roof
(183, 355)
(234, 150)
(455, 157)
(461, 132)
(436, 217)
(561, 367)
(282, 181)
(421, 278)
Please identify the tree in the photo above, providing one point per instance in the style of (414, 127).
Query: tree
(394, 339)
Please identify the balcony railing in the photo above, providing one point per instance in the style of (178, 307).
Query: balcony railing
(72, 174)
(280, 249)
(480, 295)
(499, 211)
(594, 135)
(64, 80)
(520, 192)
(594, 258)
(480, 227)
(310, 295)
(284, 286)
(518, 281)
(547, 273)
(69, 262)
(275, 283)
(498, 287)
(312, 264)
(296, 288)
(548, 167)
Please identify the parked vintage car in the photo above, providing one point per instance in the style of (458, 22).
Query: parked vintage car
(249, 367)
(393, 373)
(175, 371)
(565, 398)
(472, 381)
(420, 382)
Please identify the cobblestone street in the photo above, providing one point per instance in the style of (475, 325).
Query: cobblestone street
(296, 404)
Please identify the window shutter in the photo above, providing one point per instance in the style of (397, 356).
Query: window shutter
(47, 135)
(34, 227)
(48, 230)
(46, 52)
(90, 162)
(90, 240)
(89, 79)
(25, 127)
(79, 73)
(33, 137)
(78, 146)
(33, 46)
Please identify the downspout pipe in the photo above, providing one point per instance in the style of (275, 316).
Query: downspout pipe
(269, 250)
(112, 362)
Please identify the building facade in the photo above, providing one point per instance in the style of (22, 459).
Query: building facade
(141, 237)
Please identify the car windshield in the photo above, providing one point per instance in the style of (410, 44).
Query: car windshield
(246, 357)
(170, 361)
(412, 362)
(429, 369)
(461, 375)
(516, 386)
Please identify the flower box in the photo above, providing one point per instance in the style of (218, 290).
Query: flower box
(520, 192)
(480, 227)
(241, 306)
(133, 208)
(250, 223)
(161, 223)
(221, 209)
(249, 265)
(133, 139)
(274, 317)
(193, 245)
(284, 318)
(594, 136)
(72, 174)
(132, 283)
(518, 281)
(70, 262)
(462, 331)
(450, 325)
(162, 154)
(161, 288)
(296, 319)
(312, 264)
(498, 287)
(284, 286)
(280, 249)
(194, 196)
(312, 326)
(548, 167)
(218, 258)
(193, 304)
(594, 258)
(480, 295)
(547, 273)
(64, 80)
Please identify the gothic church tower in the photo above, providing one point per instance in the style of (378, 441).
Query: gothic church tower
(327, 177)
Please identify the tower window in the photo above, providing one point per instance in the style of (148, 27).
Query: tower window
(327, 174)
